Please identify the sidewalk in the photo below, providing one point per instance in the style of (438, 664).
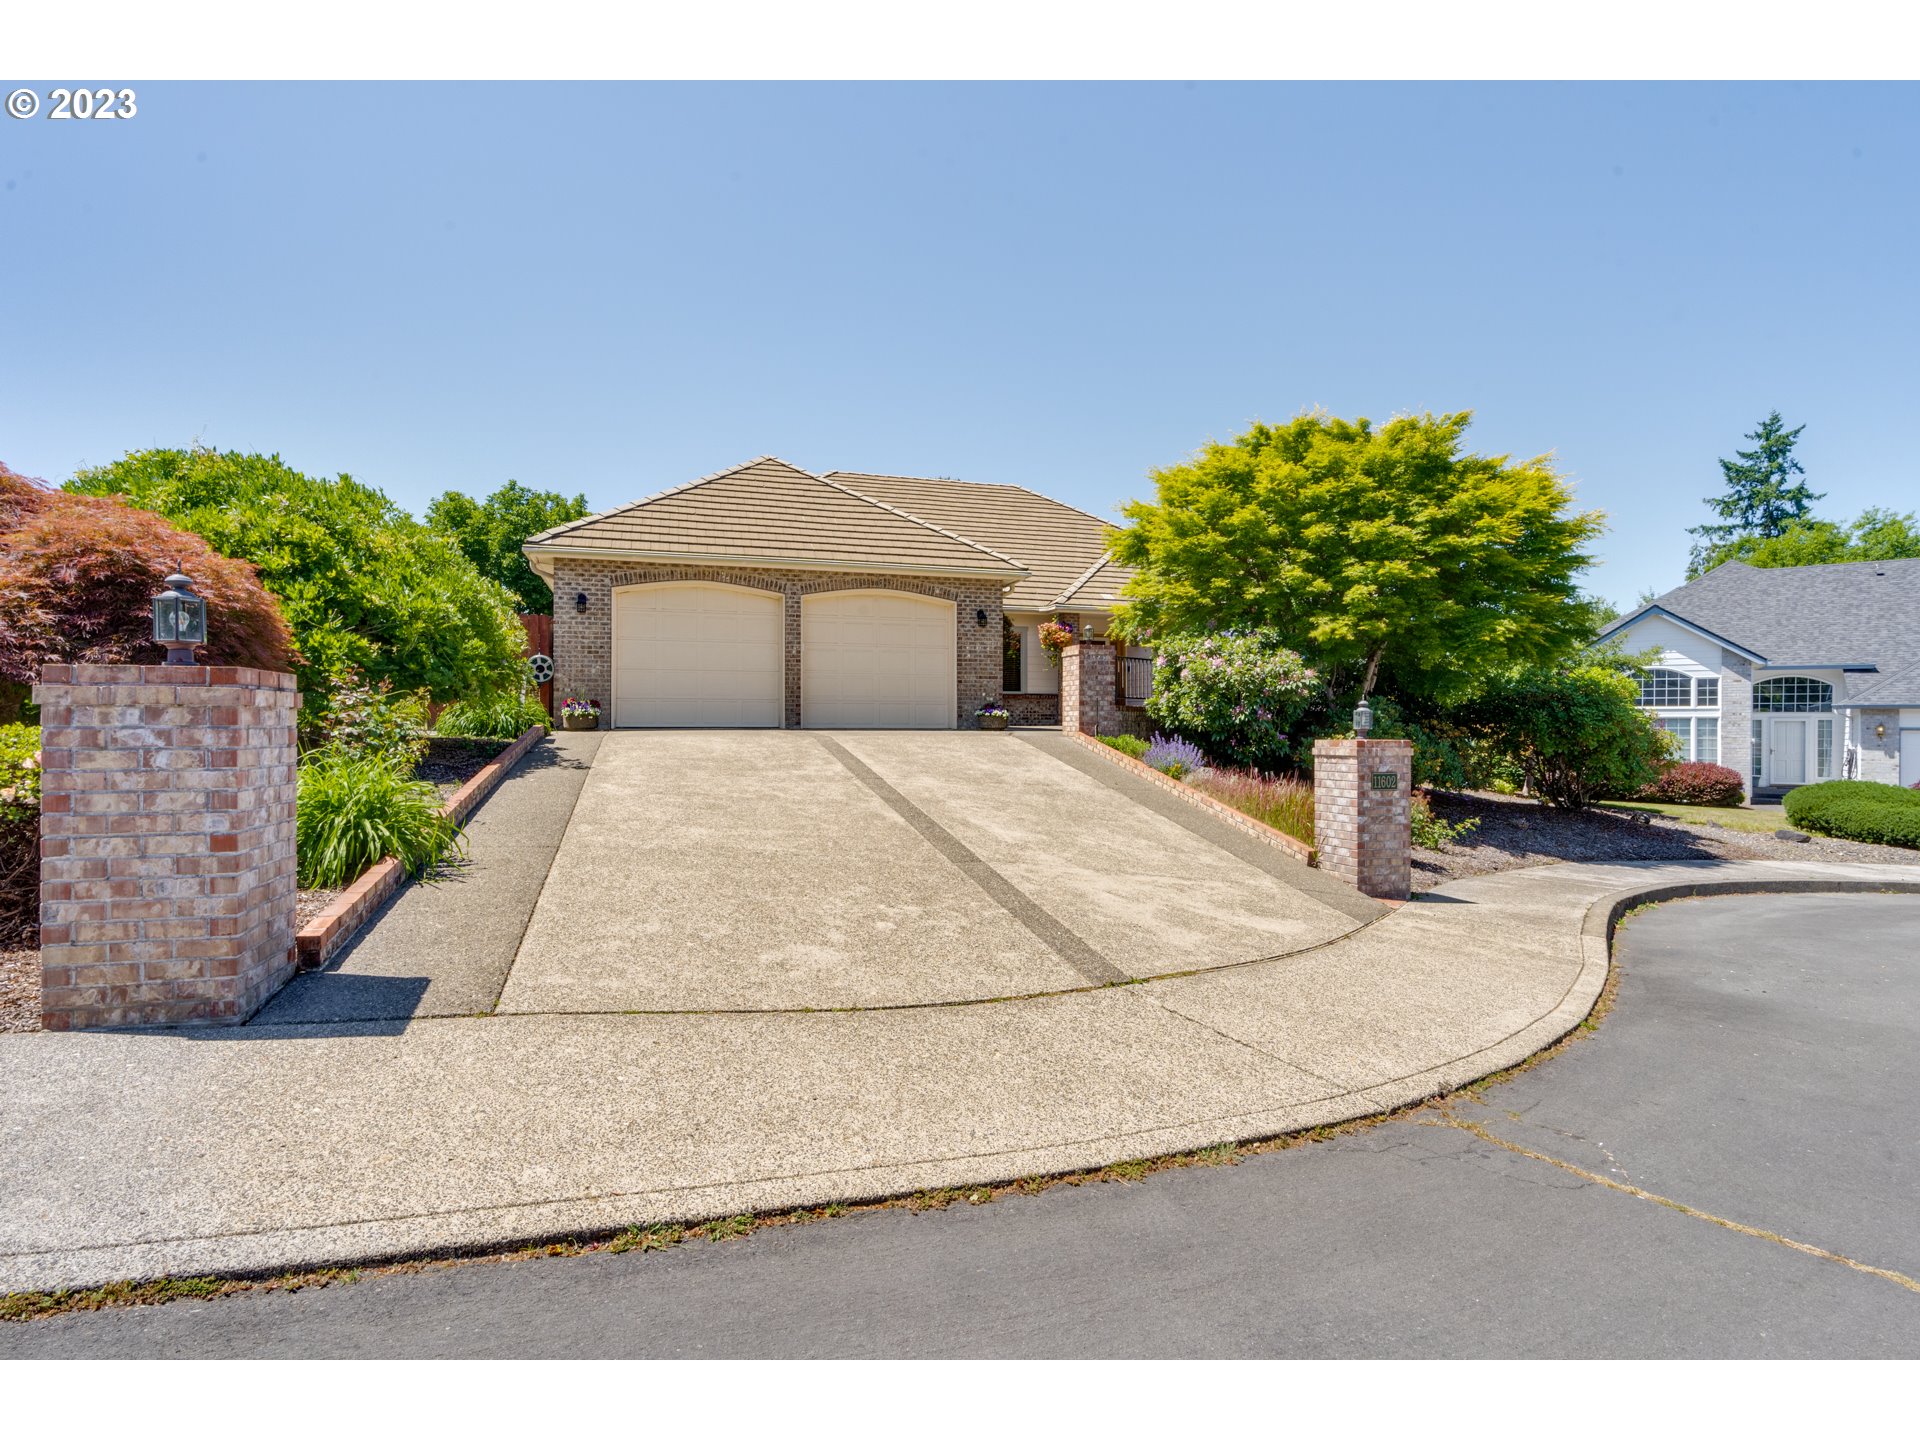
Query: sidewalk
(268, 1147)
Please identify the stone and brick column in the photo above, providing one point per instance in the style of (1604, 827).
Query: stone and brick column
(167, 862)
(1363, 814)
(1089, 702)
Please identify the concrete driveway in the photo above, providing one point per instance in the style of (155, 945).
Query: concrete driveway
(795, 870)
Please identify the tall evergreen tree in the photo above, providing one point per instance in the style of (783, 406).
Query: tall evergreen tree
(1762, 498)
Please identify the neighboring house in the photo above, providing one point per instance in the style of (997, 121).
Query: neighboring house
(766, 596)
(1789, 675)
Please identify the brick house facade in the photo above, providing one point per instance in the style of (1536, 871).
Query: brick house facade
(655, 617)
(583, 639)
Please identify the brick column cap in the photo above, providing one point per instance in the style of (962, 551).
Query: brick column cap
(1354, 745)
(166, 675)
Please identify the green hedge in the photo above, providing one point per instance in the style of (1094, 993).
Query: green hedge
(1858, 810)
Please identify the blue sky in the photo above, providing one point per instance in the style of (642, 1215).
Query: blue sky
(613, 289)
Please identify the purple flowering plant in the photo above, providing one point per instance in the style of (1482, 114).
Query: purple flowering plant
(1177, 757)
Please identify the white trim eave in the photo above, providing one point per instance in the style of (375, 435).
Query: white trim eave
(1685, 624)
(535, 554)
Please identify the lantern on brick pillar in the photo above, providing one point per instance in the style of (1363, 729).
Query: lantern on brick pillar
(179, 619)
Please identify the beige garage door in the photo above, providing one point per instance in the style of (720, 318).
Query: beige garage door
(876, 660)
(697, 655)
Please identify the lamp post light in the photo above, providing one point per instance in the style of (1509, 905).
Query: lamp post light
(179, 619)
(1362, 718)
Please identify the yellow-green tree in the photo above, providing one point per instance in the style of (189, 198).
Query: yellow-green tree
(1387, 556)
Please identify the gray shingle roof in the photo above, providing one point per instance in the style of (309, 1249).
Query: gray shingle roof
(1862, 613)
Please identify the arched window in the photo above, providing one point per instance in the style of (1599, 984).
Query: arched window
(1665, 687)
(1792, 694)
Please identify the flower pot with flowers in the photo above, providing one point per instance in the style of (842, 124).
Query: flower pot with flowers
(992, 716)
(579, 714)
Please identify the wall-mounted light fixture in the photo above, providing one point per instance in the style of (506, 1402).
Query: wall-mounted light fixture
(1879, 732)
(980, 618)
(580, 603)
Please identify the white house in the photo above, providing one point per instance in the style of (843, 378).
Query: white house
(1788, 675)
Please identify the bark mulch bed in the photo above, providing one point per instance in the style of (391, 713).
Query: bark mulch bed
(1515, 832)
(450, 762)
(20, 989)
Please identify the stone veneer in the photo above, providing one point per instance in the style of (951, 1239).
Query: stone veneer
(1736, 716)
(583, 644)
(1362, 835)
(167, 843)
(1879, 755)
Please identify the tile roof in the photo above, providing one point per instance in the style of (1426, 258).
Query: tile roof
(1062, 547)
(1865, 612)
(769, 512)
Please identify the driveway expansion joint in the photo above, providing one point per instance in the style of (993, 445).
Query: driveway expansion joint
(1002, 891)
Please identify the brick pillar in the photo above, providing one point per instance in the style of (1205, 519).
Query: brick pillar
(166, 825)
(1363, 814)
(1087, 698)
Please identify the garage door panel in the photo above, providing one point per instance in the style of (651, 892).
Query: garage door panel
(874, 661)
(698, 655)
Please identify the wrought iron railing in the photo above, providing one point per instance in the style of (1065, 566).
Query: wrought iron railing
(1138, 679)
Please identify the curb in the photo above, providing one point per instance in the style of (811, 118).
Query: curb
(324, 936)
(1239, 819)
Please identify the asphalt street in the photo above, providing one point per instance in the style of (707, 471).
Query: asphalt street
(1756, 1068)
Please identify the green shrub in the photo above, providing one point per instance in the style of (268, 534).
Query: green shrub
(355, 813)
(1126, 744)
(19, 832)
(491, 717)
(1857, 810)
(1234, 694)
(1430, 832)
(1441, 759)
(1574, 732)
(363, 584)
(369, 722)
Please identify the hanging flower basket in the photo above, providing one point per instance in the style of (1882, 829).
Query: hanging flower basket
(1055, 636)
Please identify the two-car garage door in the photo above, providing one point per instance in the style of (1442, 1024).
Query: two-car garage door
(697, 654)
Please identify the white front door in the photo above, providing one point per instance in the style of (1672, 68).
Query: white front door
(876, 659)
(1787, 752)
(1910, 758)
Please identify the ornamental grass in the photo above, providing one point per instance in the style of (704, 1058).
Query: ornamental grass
(354, 813)
(1284, 802)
